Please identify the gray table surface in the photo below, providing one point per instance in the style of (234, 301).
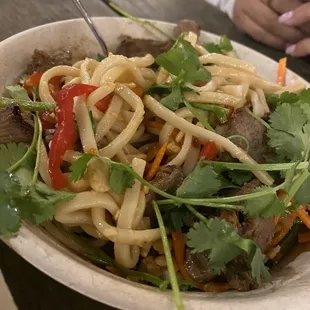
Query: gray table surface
(31, 289)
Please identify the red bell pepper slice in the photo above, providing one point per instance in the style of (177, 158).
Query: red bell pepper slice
(65, 135)
(32, 81)
(208, 151)
(104, 103)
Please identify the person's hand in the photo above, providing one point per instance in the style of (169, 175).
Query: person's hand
(261, 22)
(298, 17)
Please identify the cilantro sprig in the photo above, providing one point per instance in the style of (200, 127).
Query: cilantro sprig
(19, 95)
(223, 47)
(222, 243)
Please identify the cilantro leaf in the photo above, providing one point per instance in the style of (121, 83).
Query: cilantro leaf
(178, 218)
(182, 57)
(17, 92)
(174, 99)
(290, 132)
(220, 112)
(303, 194)
(240, 177)
(79, 167)
(287, 97)
(222, 243)
(221, 48)
(99, 57)
(11, 153)
(266, 206)
(18, 202)
(120, 179)
(202, 182)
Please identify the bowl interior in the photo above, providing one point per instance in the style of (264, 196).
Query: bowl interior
(49, 256)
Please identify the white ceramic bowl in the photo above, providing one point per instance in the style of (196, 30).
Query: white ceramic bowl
(290, 288)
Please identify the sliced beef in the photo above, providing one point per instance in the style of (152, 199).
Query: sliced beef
(261, 230)
(196, 265)
(186, 25)
(42, 61)
(231, 217)
(131, 47)
(243, 124)
(168, 179)
(238, 275)
(13, 127)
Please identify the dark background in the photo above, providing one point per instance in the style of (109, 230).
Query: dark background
(30, 288)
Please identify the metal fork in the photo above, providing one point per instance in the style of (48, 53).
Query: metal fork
(92, 27)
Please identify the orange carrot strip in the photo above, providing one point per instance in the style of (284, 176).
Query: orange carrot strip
(154, 124)
(282, 71)
(175, 264)
(138, 91)
(156, 163)
(304, 237)
(179, 252)
(152, 153)
(216, 287)
(285, 225)
(276, 219)
(304, 216)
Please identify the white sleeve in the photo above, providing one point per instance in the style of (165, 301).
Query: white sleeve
(226, 6)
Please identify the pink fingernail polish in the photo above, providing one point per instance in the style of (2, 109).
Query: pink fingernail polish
(290, 49)
(284, 18)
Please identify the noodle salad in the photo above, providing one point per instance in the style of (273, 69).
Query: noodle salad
(187, 170)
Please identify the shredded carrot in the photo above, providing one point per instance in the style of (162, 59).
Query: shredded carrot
(175, 264)
(303, 215)
(154, 124)
(215, 287)
(283, 228)
(304, 237)
(152, 152)
(114, 270)
(282, 71)
(179, 252)
(276, 219)
(138, 91)
(156, 163)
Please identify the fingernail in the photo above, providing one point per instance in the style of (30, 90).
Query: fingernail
(284, 18)
(290, 49)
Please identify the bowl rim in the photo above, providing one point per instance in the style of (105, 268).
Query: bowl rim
(43, 252)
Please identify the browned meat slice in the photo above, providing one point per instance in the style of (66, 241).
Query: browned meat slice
(231, 217)
(168, 179)
(42, 61)
(238, 275)
(131, 47)
(261, 230)
(248, 187)
(187, 25)
(243, 124)
(196, 265)
(13, 127)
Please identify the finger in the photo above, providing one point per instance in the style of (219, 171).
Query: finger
(300, 49)
(283, 6)
(296, 17)
(267, 19)
(259, 34)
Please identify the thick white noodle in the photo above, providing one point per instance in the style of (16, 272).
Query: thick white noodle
(168, 128)
(226, 61)
(76, 212)
(87, 69)
(214, 98)
(142, 62)
(238, 76)
(98, 175)
(293, 88)
(43, 167)
(109, 118)
(97, 95)
(44, 91)
(191, 160)
(126, 135)
(126, 255)
(85, 128)
(114, 61)
(204, 135)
